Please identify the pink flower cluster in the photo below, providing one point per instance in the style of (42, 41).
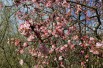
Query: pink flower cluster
(25, 29)
(54, 38)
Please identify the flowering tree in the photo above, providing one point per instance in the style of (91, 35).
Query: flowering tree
(60, 33)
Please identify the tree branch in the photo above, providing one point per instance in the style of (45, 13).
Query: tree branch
(82, 4)
(98, 25)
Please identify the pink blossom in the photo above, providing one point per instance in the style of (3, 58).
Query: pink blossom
(98, 44)
(78, 9)
(65, 4)
(34, 0)
(72, 46)
(58, 18)
(53, 46)
(65, 45)
(25, 44)
(30, 38)
(94, 51)
(60, 58)
(21, 27)
(49, 31)
(1, 5)
(75, 37)
(27, 25)
(24, 26)
(21, 61)
(62, 48)
(21, 51)
(83, 63)
(24, 33)
(57, 1)
(92, 39)
(49, 4)
(69, 42)
(87, 56)
(17, 42)
(51, 51)
(62, 65)
(82, 52)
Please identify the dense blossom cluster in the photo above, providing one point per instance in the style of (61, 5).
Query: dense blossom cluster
(53, 40)
(54, 43)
